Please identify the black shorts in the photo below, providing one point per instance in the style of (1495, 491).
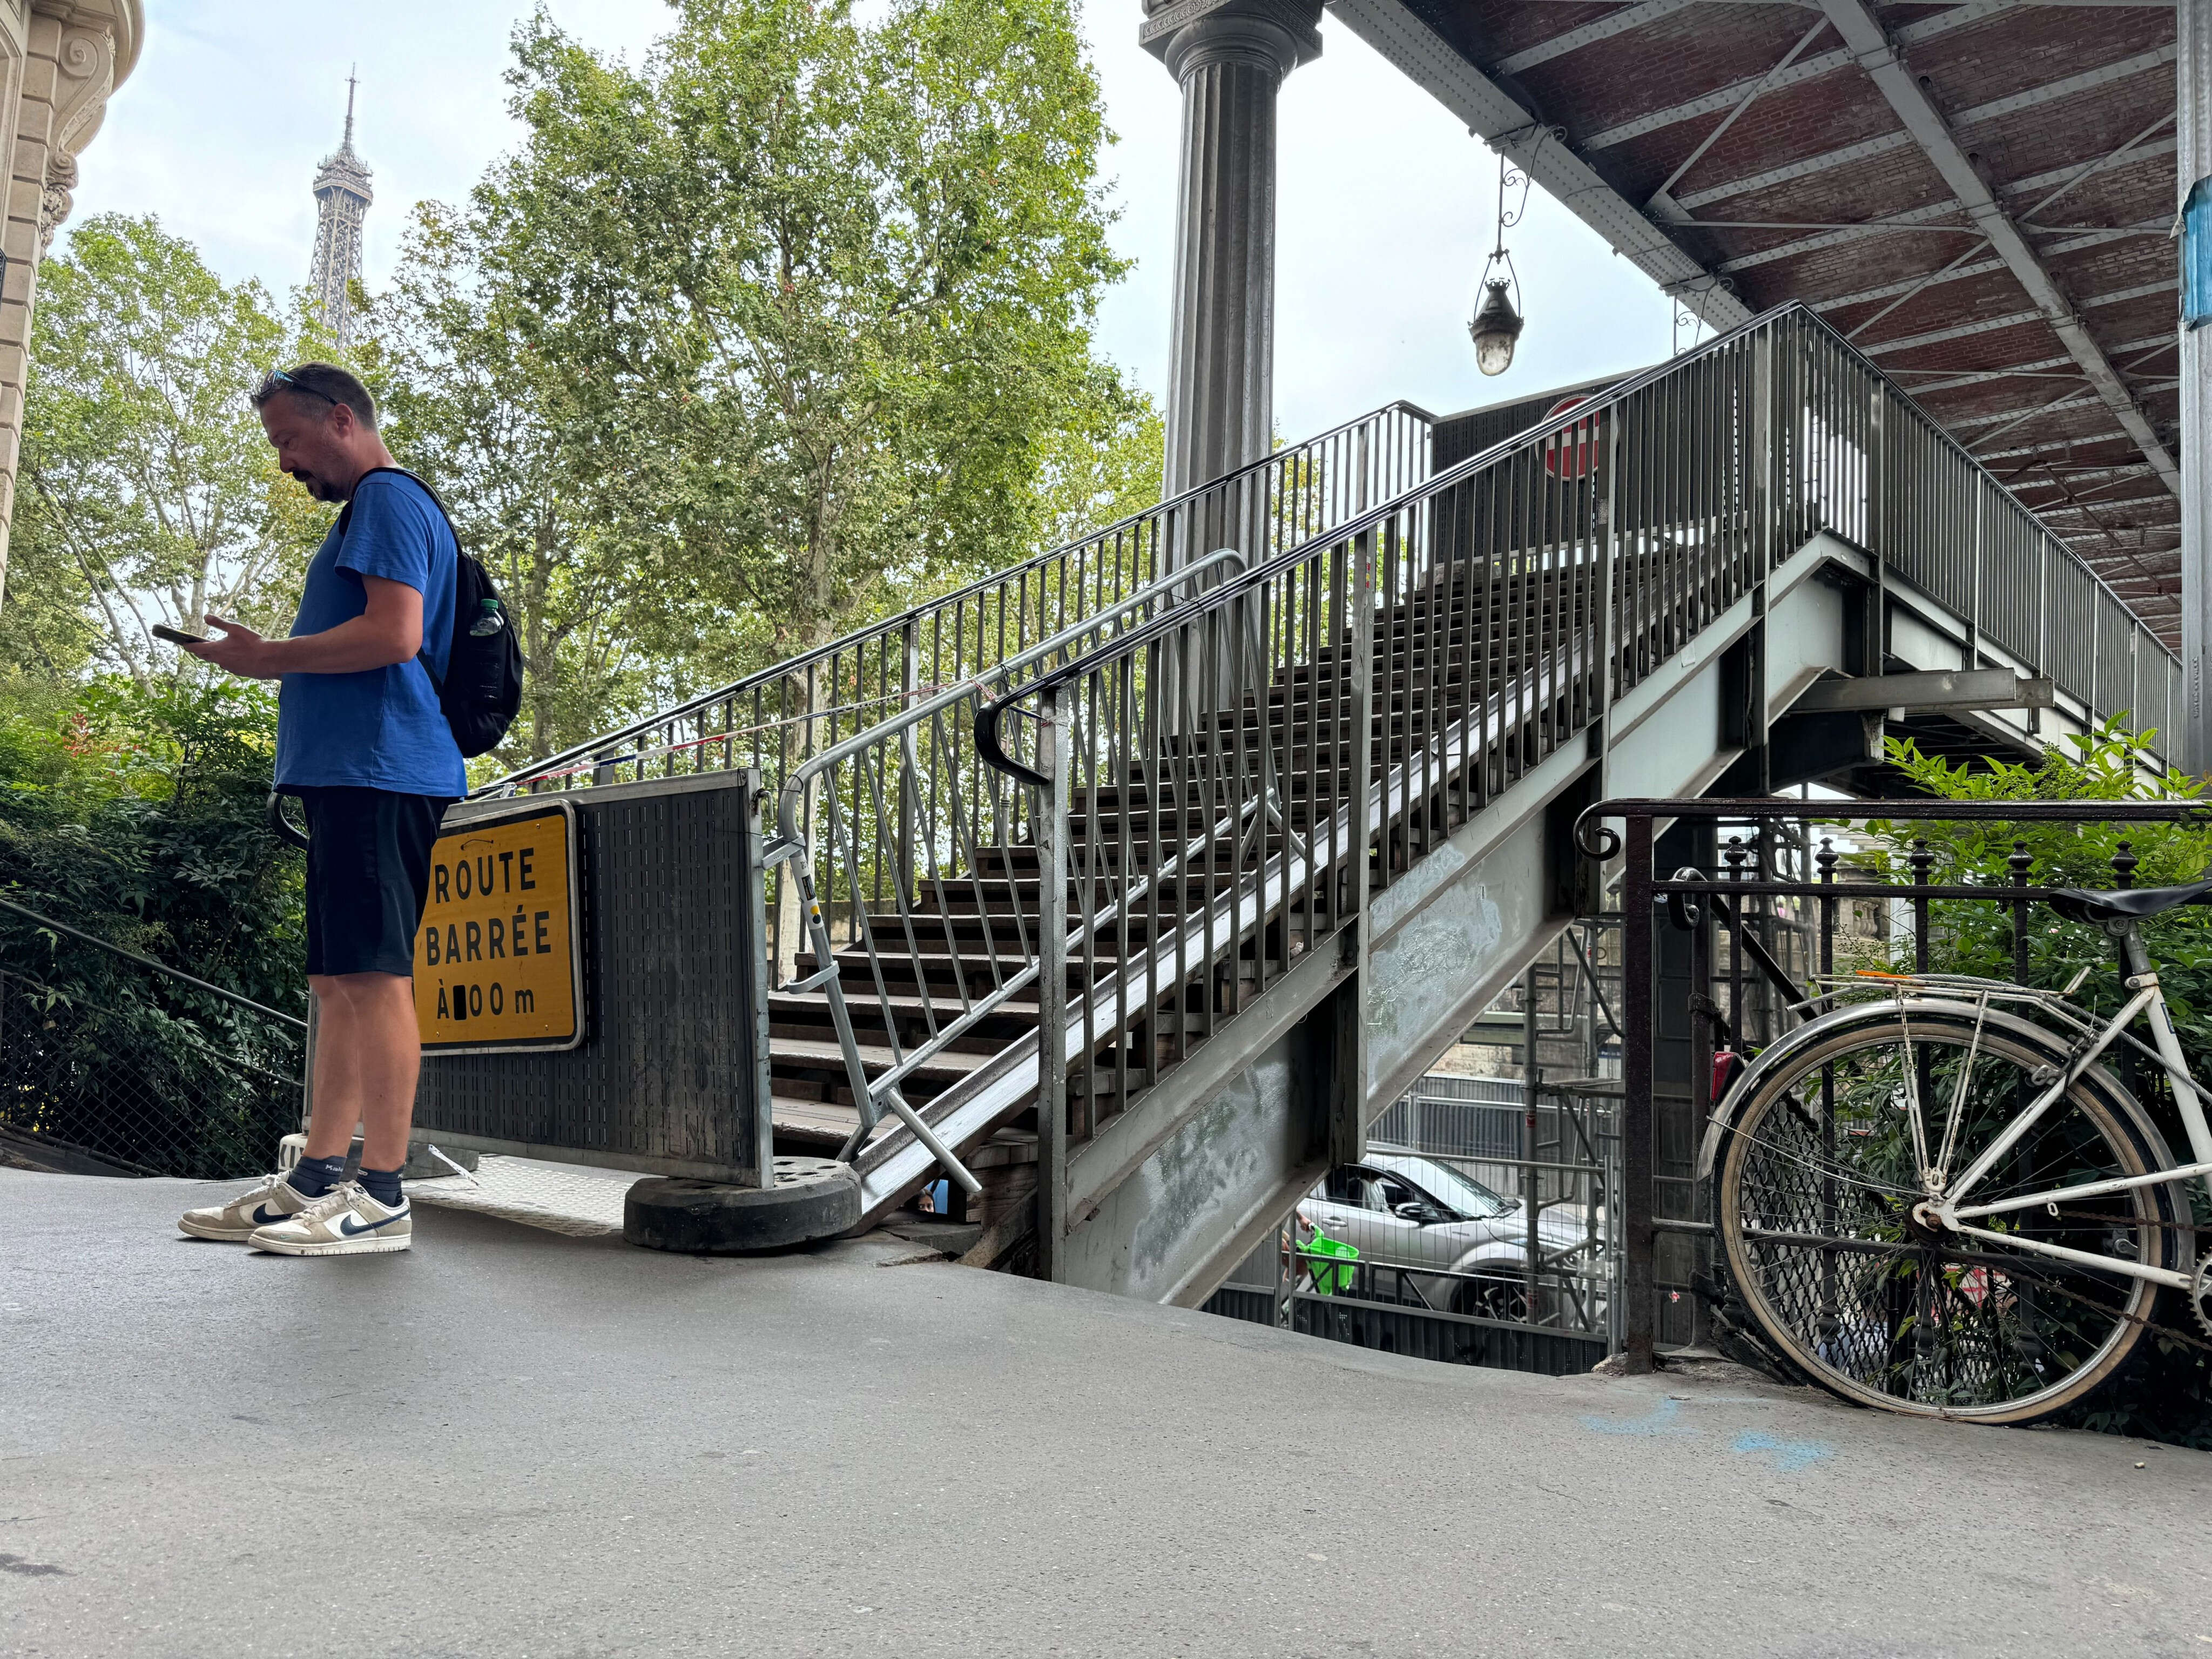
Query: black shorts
(368, 870)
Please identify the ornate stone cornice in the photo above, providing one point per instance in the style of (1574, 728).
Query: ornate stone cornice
(124, 19)
(98, 46)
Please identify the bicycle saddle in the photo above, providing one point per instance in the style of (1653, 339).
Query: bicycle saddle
(2127, 903)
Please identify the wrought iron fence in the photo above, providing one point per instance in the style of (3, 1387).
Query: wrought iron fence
(138, 1064)
(1666, 1245)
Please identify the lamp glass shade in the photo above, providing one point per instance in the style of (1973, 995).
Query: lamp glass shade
(1495, 329)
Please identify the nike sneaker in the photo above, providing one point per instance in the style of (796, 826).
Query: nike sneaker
(275, 1200)
(343, 1221)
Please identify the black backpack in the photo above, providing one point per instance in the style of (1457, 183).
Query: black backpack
(482, 691)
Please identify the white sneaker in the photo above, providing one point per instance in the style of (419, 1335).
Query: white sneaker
(275, 1200)
(343, 1221)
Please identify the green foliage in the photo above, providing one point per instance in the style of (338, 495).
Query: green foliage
(146, 491)
(2168, 1395)
(135, 816)
(798, 319)
(469, 405)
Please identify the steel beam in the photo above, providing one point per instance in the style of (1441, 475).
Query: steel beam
(2017, 416)
(1877, 55)
(2056, 509)
(2088, 80)
(1931, 692)
(1980, 377)
(2014, 319)
(1865, 150)
(1612, 23)
(1809, 69)
(1895, 221)
(2113, 435)
(1675, 208)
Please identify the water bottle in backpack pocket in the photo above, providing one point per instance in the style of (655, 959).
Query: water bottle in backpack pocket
(482, 688)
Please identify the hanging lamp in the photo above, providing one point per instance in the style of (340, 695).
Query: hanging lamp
(1497, 322)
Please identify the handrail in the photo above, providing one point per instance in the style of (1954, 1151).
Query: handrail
(1460, 471)
(1365, 522)
(791, 845)
(794, 791)
(148, 961)
(591, 748)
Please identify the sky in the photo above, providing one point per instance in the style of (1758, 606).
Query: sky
(1385, 209)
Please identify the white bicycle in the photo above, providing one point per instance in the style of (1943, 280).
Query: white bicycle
(1940, 1199)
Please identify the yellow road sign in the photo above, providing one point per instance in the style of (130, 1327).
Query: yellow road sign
(498, 965)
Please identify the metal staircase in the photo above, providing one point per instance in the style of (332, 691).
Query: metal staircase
(1158, 865)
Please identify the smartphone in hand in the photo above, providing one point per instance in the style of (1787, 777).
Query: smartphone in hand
(177, 636)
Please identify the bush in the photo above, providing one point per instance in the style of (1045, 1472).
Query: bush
(137, 816)
(2166, 1395)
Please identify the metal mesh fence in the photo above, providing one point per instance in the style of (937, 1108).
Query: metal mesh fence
(106, 1055)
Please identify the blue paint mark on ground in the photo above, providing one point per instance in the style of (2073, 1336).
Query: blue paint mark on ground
(1660, 1422)
(1789, 1455)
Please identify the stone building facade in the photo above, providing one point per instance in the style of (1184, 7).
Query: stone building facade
(59, 61)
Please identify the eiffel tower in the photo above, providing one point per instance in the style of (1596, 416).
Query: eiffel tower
(342, 199)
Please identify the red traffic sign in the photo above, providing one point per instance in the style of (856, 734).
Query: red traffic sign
(1571, 453)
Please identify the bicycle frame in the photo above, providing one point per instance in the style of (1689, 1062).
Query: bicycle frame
(1945, 1207)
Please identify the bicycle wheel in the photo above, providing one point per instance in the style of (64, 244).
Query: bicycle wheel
(1815, 1199)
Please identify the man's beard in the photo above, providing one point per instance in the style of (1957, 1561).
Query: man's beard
(315, 486)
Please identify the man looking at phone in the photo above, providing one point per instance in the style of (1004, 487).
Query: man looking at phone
(360, 739)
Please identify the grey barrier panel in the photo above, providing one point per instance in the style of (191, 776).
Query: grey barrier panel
(671, 1077)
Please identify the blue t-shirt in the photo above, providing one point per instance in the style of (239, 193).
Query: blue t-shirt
(380, 728)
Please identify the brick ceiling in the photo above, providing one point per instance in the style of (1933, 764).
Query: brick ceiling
(1919, 174)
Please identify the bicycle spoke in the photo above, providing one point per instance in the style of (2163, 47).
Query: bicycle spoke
(1818, 1216)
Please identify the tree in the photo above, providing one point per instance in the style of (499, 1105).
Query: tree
(1106, 464)
(821, 291)
(137, 818)
(469, 403)
(146, 490)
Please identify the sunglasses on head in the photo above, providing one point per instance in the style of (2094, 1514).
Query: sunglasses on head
(277, 380)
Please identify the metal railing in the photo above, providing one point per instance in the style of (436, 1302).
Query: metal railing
(907, 816)
(1145, 812)
(1412, 665)
(1698, 902)
(778, 718)
(1855, 455)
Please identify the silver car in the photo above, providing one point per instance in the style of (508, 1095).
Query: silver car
(1401, 1211)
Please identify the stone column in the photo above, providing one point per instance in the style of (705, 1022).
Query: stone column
(2193, 166)
(1229, 57)
(61, 60)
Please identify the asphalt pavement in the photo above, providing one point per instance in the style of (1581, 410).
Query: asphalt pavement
(508, 1443)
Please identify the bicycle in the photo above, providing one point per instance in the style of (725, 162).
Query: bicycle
(1940, 1201)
